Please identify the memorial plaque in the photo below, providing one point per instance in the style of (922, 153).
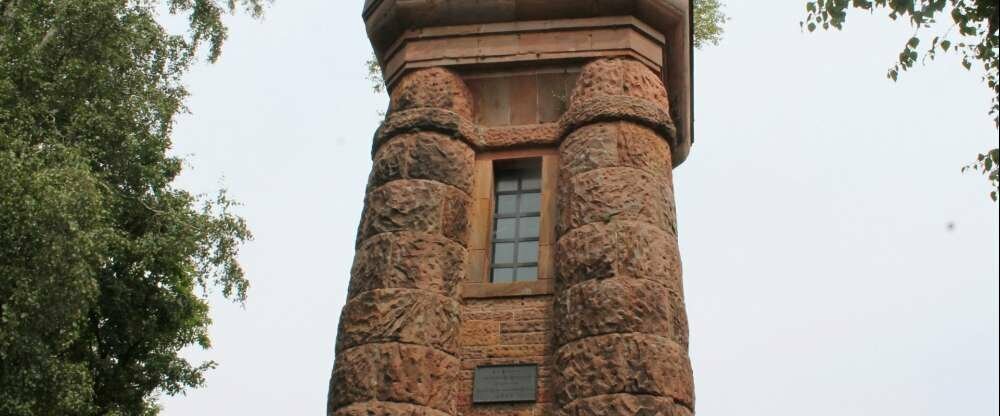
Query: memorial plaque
(505, 384)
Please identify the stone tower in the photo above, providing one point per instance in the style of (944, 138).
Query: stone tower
(518, 253)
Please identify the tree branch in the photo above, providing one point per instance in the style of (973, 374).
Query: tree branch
(51, 33)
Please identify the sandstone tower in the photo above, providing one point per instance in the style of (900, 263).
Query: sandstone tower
(518, 253)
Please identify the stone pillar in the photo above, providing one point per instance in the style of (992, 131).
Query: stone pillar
(398, 335)
(620, 325)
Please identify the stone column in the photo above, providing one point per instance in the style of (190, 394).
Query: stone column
(621, 329)
(398, 335)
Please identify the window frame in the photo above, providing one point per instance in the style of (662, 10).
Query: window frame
(520, 166)
(478, 282)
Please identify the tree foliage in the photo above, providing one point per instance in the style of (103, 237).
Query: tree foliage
(104, 264)
(974, 33)
(708, 22)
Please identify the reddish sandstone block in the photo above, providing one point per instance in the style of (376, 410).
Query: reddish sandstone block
(599, 77)
(619, 248)
(425, 155)
(400, 315)
(479, 333)
(625, 194)
(432, 88)
(608, 306)
(395, 372)
(389, 162)
(641, 148)
(678, 317)
(620, 77)
(506, 351)
(620, 144)
(440, 158)
(408, 261)
(525, 338)
(534, 325)
(624, 405)
(623, 363)
(456, 221)
(385, 409)
(416, 205)
(408, 205)
(590, 147)
(618, 108)
(428, 120)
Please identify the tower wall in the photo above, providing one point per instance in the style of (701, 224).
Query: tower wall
(397, 342)
(475, 86)
(620, 326)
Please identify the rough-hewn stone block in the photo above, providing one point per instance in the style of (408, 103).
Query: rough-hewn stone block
(385, 409)
(590, 147)
(417, 205)
(618, 108)
(395, 372)
(427, 120)
(404, 315)
(621, 144)
(456, 221)
(626, 194)
(432, 88)
(619, 248)
(623, 363)
(641, 148)
(624, 405)
(620, 77)
(390, 160)
(425, 155)
(608, 306)
(408, 261)
(436, 157)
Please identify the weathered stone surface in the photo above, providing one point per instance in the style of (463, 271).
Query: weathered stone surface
(612, 108)
(618, 248)
(504, 137)
(395, 372)
(620, 76)
(425, 155)
(477, 333)
(603, 195)
(375, 408)
(432, 88)
(625, 405)
(439, 158)
(623, 363)
(608, 306)
(678, 316)
(621, 144)
(408, 261)
(427, 120)
(456, 221)
(416, 205)
(404, 315)
(590, 147)
(641, 148)
(389, 162)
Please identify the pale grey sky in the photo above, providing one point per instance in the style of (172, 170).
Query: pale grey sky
(821, 278)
